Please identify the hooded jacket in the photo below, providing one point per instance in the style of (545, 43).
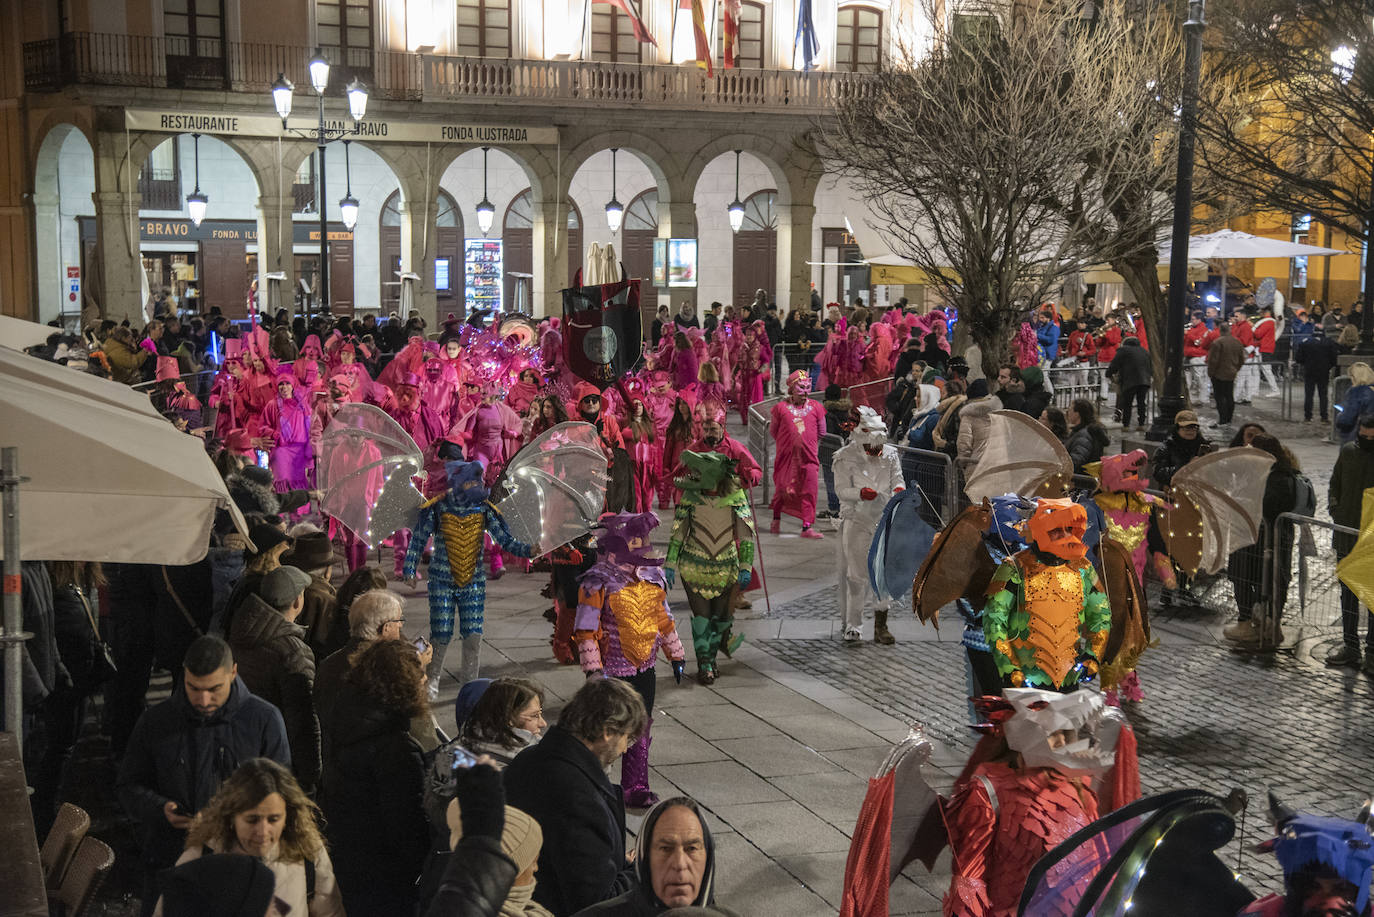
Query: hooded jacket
(641, 900)
(175, 754)
(277, 665)
(1131, 367)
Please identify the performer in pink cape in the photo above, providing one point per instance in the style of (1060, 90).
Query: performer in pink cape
(312, 354)
(407, 361)
(259, 387)
(439, 388)
(660, 399)
(709, 386)
(523, 391)
(646, 451)
(677, 436)
(713, 438)
(285, 430)
(667, 345)
(490, 434)
(554, 361)
(796, 424)
(723, 352)
(755, 367)
(348, 363)
(685, 365)
(425, 427)
(226, 394)
(878, 356)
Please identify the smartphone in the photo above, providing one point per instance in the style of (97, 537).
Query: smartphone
(460, 758)
(262, 458)
(420, 644)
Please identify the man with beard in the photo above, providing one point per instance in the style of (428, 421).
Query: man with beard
(182, 749)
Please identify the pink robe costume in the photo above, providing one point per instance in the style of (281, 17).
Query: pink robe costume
(520, 395)
(673, 447)
(724, 351)
(684, 369)
(439, 389)
(746, 468)
(796, 431)
(425, 427)
(755, 366)
(647, 453)
(226, 398)
(288, 422)
(490, 434)
(312, 354)
(878, 357)
(407, 360)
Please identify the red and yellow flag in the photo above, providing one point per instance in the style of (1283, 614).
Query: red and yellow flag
(731, 33)
(699, 33)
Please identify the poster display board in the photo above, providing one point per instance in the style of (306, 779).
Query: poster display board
(482, 274)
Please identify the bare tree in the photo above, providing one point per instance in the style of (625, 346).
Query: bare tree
(1285, 123)
(1002, 160)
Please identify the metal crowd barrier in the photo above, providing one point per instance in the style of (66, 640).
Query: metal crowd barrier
(939, 481)
(759, 442)
(1306, 592)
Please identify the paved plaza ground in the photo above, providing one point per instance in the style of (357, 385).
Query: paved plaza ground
(779, 750)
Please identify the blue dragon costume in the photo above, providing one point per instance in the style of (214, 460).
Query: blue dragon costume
(458, 520)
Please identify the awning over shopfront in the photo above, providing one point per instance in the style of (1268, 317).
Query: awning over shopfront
(108, 479)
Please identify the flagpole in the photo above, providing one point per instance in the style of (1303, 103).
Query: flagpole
(672, 39)
(582, 36)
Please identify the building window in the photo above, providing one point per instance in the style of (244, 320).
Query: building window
(193, 27)
(303, 187)
(484, 28)
(858, 39)
(749, 47)
(760, 212)
(613, 36)
(159, 184)
(345, 32)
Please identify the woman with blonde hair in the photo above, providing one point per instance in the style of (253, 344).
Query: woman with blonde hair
(1358, 400)
(262, 811)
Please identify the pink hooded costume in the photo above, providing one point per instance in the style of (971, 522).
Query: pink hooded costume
(647, 453)
(755, 367)
(287, 421)
(439, 389)
(425, 427)
(796, 430)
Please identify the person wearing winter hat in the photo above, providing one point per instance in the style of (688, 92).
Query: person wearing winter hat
(326, 629)
(222, 885)
(521, 840)
(973, 419)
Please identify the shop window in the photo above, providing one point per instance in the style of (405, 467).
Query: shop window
(484, 28)
(159, 184)
(858, 39)
(613, 36)
(749, 46)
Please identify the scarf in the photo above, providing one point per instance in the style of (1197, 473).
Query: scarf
(519, 903)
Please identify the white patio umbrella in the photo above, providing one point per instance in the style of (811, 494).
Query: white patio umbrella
(18, 333)
(105, 480)
(1225, 245)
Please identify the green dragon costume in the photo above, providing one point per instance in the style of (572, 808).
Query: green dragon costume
(712, 546)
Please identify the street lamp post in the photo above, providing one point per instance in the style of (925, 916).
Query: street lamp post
(323, 135)
(1171, 400)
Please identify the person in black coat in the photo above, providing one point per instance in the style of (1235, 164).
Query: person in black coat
(372, 789)
(1319, 355)
(478, 874)
(1184, 443)
(1245, 567)
(561, 782)
(1133, 374)
(1088, 439)
(182, 749)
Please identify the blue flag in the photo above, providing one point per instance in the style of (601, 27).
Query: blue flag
(806, 36)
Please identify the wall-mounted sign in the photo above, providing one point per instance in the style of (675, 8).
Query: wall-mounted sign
(381, 129)
(173, 230)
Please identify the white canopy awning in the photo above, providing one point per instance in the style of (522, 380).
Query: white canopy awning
(109, 479)
(1228, 243)
(18, 333)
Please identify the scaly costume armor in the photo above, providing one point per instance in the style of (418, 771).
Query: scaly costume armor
(1046, 618)
(457, 578)
(622, 620)
(1129, 510)
(712, 547)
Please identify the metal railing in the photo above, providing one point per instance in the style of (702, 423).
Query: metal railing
(1303, 590)
(111, 59)
(872, 394)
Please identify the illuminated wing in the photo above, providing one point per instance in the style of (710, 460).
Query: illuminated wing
(554, 489)
(365, 468)
(1130, 632)
(1019, 456)
(1227, 487)
(1180, 522)
(958, 565)
(1155, 857)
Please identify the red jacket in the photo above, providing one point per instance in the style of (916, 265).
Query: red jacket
(1107, 344)
(1197, 339)
(1244, 332)
(1140, 334)
(1264, 334)
(1082, 345)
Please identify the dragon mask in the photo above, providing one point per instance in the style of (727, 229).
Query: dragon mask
(707, 472)
(1057, 527)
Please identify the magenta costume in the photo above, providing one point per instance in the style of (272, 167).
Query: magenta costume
(684, 370)
(287, 421)
(796, 431)
(490, 434)
(439, 389)
(755, 366)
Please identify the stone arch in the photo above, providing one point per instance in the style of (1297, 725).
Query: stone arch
(789, 166)
(58, 197)
(662, 164)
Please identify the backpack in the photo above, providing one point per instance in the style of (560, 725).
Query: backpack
(1305, 503)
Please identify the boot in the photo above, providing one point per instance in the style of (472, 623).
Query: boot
(400, 545)
(880, 632)
(355, 554)
(472, 653)
(634, 773)
(435, 670)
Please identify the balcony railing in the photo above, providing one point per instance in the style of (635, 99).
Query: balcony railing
(133, 60)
